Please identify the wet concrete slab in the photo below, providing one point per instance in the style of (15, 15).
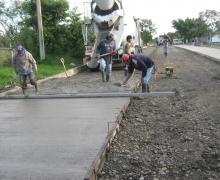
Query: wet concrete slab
(53, 139)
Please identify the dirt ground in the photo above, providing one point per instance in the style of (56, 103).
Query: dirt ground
(172, 138)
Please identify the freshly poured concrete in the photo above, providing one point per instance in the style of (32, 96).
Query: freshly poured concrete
(58, 139)
(53, 139)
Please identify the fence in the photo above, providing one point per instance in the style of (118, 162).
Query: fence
(6, 55)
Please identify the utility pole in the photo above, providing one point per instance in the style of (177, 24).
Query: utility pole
(40, 30)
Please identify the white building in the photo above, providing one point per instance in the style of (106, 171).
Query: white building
(216, 38)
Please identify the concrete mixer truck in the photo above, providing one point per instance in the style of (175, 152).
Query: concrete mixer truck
(102, 17)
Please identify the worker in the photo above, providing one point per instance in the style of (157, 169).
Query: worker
(166, 41)
(129, 45)
(142, 63)
(106, 46)
(25, 66)
(128, 50)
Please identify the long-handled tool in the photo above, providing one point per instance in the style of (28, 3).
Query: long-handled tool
(68, 77)
(64, 67)
(96, 58)
(102, 55)
(90, 95)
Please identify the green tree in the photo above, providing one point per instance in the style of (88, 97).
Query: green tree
(190, 28)
(212, 18)
(2, 6)
(174, 35)
(147, 25)
(62, 28)
(54, 12)
(148, 30)
(9, 20)
(146, 36)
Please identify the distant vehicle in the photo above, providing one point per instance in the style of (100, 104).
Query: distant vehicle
(177, 41)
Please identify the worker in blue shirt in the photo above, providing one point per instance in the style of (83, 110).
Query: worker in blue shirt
(142, 63)
(106, 46)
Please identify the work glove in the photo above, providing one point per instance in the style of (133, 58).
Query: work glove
(113, 52)
(35, 68)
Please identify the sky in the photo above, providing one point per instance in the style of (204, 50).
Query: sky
(161, 12)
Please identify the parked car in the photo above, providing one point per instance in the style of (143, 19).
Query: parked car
(177, 41)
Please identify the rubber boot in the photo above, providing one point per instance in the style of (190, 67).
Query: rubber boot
(103, 77)
(36, 88)
(23, 90)
(148, 88)
(107, 78)
(144, 88)
(24, 87)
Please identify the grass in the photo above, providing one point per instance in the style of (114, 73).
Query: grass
(51, 60)
(45, 70)
(7, 75)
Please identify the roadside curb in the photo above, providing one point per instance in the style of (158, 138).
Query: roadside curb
(70, 72)
(201, 54)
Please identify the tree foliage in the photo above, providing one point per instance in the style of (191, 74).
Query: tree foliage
(212, 19)
(9, 20)
(148, 30)
(147, 25)
(146, 36)
(190, 28)
(61, 27)
(174, 35)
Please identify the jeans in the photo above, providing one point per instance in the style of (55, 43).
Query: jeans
(148, 75)
(165, 51)
(105, 66)
(23, 79)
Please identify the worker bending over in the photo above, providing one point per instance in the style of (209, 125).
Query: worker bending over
(142, 63)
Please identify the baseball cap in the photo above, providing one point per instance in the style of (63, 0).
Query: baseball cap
(20, 49)
(125, 57)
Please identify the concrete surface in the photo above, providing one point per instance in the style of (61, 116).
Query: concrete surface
(53, 139)
(58, 139)
(212, 53)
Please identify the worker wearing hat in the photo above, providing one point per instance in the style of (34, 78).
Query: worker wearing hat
(142, 63)
(25, 66)
(106, 46)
